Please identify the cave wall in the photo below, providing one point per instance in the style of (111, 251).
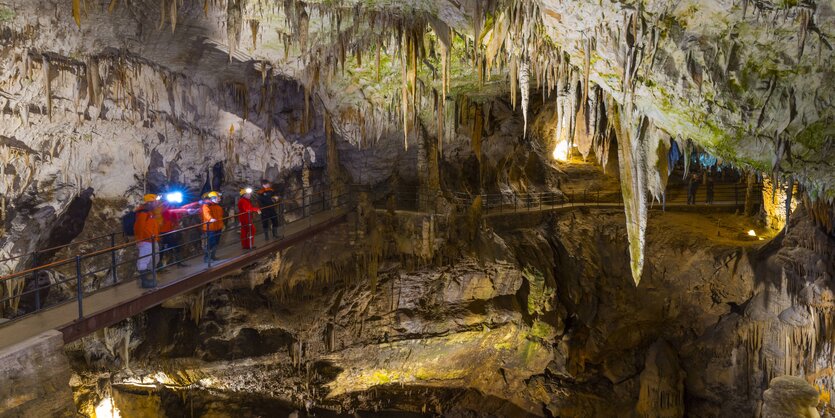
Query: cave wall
(36, 378)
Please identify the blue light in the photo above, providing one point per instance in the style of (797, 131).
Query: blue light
(174, 197)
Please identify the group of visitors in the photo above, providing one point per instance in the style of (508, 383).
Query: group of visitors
(693, 183)
(156, 221)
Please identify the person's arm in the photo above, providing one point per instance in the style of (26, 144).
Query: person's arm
(181, 211)
(207, 214)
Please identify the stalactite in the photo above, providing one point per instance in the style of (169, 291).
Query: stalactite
(377, 62)
(805, 17)
(514, 72)
(478, 126)
(303, 23)
(162, 15)
(333, 169)
(630, 132)
(76, 12)
(305, 125)
(253, 27)
(47, 86)
(414, 47)
(586, 71)
(234, 21)
(789, 194)
(404, 94)
(524, 80)
(196, 306)
(439, 112)
(173, 14)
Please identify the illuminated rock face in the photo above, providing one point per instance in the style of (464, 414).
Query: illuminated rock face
(98, 106)
(540, 316)
(789, 396)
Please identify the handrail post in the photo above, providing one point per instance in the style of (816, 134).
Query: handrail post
(37, 291)
(78, 288)
(736, 194)
(113, 256)
(154, 258)
(207, 255)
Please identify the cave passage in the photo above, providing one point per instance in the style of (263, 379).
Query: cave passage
(501, 208)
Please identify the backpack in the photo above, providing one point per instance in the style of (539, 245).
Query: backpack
(128, 221)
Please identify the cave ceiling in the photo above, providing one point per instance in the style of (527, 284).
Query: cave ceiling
(750, 81)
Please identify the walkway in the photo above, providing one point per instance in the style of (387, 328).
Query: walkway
(727, 195)
(82, 312)
(78, 317)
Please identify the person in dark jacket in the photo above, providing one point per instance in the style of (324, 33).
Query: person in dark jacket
(709, 189)
(268, 201)
(692, 187)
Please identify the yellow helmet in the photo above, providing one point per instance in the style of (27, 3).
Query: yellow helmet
(150, 198)
(212, 194)
(246, 191)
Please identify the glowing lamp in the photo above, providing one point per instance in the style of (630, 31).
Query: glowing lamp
(174, 197)
(751, 233)
(107, 409)
(561, 151)
(248, 190)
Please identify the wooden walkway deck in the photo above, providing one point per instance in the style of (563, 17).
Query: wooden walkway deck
(113, 304)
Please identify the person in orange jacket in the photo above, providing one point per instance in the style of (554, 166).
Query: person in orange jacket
(212, 215)
(246, 216)
(146, 230)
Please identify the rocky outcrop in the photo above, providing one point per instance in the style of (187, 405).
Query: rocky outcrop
(35, 378)
(790, 396)
(536, 319)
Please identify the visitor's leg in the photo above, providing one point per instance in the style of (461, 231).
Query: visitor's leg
(265, 225)
(215, 240)
(207, 249)
(144, 259)
(274, 222)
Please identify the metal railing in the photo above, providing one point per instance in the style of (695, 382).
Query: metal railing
(723, 194)
(110, 237)
(112, 265)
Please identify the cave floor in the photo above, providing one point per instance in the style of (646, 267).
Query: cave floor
(718, 228)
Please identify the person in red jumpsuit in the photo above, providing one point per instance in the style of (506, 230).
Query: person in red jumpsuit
(246, 216)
